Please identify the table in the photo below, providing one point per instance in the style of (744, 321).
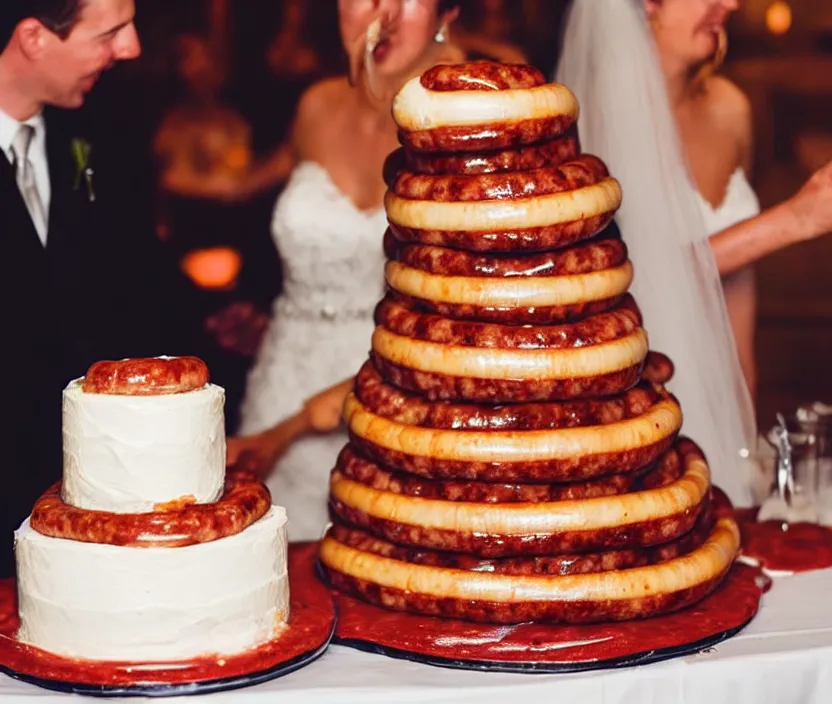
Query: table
(784, 656)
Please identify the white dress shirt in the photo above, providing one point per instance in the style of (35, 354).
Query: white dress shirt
(37, 155)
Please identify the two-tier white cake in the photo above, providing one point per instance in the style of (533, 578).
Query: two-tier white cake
(147, 552)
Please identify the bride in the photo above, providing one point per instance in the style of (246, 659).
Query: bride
(328, 225)
(678, 138)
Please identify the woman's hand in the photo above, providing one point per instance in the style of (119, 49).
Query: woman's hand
(812, 204)
(254, 453)
(323, 411)
(259, 453)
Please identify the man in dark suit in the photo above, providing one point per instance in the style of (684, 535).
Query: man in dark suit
(81, 279)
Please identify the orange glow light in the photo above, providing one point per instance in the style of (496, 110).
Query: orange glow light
(237, 158)
(215, 268)
(779, 17)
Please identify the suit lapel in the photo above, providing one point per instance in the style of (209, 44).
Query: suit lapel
(62, 213)
(19, 232)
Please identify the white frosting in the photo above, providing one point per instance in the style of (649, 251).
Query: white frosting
(103, 602)
(125, 454)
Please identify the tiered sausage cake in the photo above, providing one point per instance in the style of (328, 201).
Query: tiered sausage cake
(147, 551)
(513, 453)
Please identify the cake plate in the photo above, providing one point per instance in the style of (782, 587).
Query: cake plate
(310, 629)
(542, 648)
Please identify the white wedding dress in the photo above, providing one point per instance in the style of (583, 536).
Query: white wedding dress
(739, 203)
(319, 333)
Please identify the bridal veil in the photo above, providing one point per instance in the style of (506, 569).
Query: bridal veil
(609, 61)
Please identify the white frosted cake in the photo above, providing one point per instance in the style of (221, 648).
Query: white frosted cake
(127, 454)
(146, 551)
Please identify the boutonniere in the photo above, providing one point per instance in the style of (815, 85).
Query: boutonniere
(81, 151)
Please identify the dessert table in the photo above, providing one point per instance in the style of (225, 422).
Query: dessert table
(783, 656)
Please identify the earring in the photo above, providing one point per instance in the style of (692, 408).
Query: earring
(441, 35)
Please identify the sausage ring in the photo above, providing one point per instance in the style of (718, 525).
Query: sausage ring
(521, 443)
(638, 519)
(396, 404)
(551, 153)
(517, 225)
(602, 252)
(626, 594)
(357, 468)
(448, 359)
(585, 170)
(537, 210)
(244, 502)
(613, 325)
(545, 288)
(535, 289)
(481, 106)
(555, 565)
(146, 376)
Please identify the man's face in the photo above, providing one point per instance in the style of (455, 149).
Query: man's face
(69, 68)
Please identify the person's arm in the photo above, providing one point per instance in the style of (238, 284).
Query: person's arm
(258, 453)
(804, 216)
(751, 240)
(320, 414)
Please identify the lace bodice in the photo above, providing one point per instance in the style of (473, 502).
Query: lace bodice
(740, 203)
(320, 331)
(331, 251)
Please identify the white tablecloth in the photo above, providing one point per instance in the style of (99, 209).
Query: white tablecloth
(783, 657)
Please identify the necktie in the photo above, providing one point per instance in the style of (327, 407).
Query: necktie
(25, 175)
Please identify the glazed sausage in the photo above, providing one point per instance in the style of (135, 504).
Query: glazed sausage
(481, 106)
(511, 239)
(245, 501)
(544, 154)
(638, 519)
(708, 563)
(354, 466)
(560, 565)
(481, 75)
(585, 170)
(615, 324)
(147, 376)
(598, 254)
(524, 443)
(393, 403)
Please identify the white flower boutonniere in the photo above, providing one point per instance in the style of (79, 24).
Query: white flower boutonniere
(81, 152)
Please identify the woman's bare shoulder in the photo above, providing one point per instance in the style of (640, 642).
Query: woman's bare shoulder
(315, 109)
(321, 97)
(730, 110)
(728, 103)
